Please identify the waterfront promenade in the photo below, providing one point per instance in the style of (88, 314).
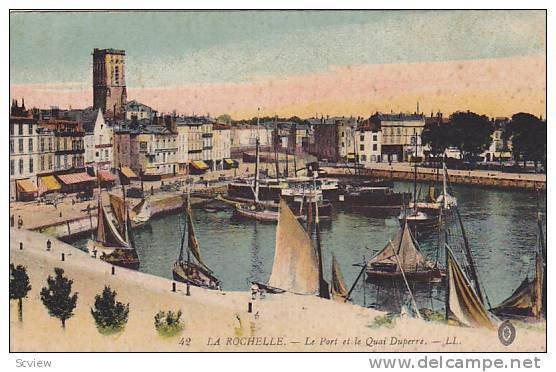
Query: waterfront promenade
(219, 321)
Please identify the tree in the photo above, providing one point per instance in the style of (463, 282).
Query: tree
(110, 315)
(438, 137)
(57, 296)
(471, 133)
(224, 118)
(528, 136)
(19, 287)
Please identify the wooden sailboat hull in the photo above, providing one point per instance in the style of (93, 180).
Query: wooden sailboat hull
(194, 275)
(433, 275)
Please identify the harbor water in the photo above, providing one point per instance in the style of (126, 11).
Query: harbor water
(500, 225)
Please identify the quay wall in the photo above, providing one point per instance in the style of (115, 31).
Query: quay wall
(498, 180)
(82, 226)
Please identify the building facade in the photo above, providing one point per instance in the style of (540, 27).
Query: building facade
(137, 111)
(109, 86)
(368, 142)
(401, 136)
(221, 145)
(98, 142)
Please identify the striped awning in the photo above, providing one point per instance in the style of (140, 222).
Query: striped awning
(72, 179)
(127, 172)
(229, 161)
(106, 176)
(26, 186)
(50, 183)
(199, 164)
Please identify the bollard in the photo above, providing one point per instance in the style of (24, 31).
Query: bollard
(173, 286)
(249, 307)
(113, 270)
(187, 293)
(63, 257)
(20, 246)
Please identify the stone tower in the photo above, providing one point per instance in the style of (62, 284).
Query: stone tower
(109, 90)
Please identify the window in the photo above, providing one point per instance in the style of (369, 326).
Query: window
(343, 134)
(12, 147)
(362, 138)
(12, 167)
(362, 147)
(20, 166)
(30, 165)
(42, 144)
(49, 162)
(375, 138)
(30, 145)
(363, 158)
(65, 161)
(11, 129)
(42, 163)
(30, 128)
(20, 130)
(375, 147)
(21, 145)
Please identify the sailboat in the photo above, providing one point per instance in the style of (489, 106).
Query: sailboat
(297, 266)
(116, 245)
(142, 213)
(529, 299)
(413, 216)
(402, 255)
(192, 270)
(338, 289)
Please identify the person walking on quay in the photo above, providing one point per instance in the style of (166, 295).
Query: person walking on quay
(12, 220)
(19, 222)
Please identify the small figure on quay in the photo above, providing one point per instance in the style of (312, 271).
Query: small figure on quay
(19, 222)
(12, 220)
(254, 291)
(152, 190)
(48, 245)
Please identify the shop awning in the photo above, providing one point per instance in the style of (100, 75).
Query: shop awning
(351, 156)
(50, 183)
(127, 172)
(26, 186)
(74, 178)
(106, 176)
(199, 164)
(231, 163)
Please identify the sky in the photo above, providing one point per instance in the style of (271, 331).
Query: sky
(302, 63)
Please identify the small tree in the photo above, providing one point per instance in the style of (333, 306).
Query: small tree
(19, 287)
(57, 296)
(168, 324)
(110, 315)
(471, 133)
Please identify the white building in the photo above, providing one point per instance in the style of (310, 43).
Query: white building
(221, 145)
(368, 143)
(99, 144)
(246, 135)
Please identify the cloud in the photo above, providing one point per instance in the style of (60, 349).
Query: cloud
(495, 87)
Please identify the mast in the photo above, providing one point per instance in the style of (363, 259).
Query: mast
(257, 143)
(415, 174)
(275, 145)
(323, 286)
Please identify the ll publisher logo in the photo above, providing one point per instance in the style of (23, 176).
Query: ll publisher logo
(506, 333)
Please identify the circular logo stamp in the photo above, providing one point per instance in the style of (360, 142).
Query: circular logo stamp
(506, 333)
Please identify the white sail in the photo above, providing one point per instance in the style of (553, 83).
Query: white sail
(295, 266)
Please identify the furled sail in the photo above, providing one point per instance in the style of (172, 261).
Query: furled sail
(463, 304)
(527, 299)
(192, 241)
(403, 246)
(295, 266)
(118, 210)
(107, 232)
(339, 289)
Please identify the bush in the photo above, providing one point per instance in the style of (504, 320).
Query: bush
(168, 324)
(110, 315)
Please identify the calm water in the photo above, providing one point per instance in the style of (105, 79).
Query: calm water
(500, 226)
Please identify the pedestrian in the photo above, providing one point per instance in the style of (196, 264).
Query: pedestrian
(12, 220)
(152, 190)
(48, 244)
(19, 222)
(254, 291)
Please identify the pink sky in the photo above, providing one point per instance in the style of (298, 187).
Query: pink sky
(495, 87)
